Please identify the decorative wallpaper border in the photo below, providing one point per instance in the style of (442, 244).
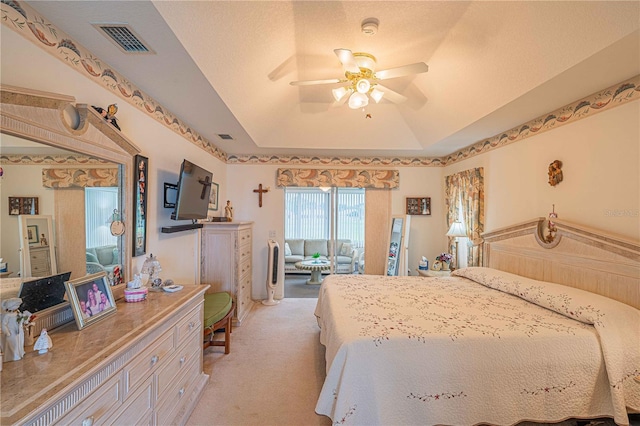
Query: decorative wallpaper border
(21, 18)
(70, 159)
(367, 178)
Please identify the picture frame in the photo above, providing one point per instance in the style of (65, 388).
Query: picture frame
(213, 197)
(23, 205)
(32, 234)
(140, 185)
(79, 293)
(419, 206)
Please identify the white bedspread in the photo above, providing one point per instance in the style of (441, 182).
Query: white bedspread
(414, 350)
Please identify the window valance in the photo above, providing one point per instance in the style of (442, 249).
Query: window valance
(79, 178)
(344, 178)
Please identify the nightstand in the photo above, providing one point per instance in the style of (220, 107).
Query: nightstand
(431, 273)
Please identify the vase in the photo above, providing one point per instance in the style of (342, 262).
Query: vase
(445, 266)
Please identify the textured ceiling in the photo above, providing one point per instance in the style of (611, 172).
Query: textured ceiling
(225, 66)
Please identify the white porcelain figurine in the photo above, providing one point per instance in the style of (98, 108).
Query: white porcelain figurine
(44, 343)
(12, 331)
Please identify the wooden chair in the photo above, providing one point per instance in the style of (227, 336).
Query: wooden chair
(218, 314)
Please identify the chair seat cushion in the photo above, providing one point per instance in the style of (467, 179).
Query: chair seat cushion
(216, 306)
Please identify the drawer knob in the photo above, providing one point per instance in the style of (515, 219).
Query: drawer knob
(191, 325)
(154, 359)
(181, 392)
(182, 360)
(88, 421)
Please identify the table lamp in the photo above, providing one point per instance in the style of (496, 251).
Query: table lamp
(457, 230)
(152, 267)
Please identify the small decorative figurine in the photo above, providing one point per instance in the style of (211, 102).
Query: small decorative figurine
(555, 173)
(228, 211)
(109, 114)
(44, 343)
(12, 330)
(43, 241)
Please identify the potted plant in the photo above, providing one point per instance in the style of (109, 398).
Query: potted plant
(316, 257)
(445, 260)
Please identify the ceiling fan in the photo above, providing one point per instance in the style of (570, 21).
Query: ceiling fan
(361, 79)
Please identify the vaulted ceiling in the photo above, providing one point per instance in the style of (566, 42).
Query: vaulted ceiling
(224, 67)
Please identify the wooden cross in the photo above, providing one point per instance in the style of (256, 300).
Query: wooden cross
(260, 191)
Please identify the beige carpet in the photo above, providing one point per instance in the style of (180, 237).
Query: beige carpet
(273, 374)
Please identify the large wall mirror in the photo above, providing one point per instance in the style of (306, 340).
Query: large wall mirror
(80, 170)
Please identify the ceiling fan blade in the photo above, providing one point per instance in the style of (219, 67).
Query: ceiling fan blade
(416, 68)
(312, 82)
(348, 61)
(390, 95)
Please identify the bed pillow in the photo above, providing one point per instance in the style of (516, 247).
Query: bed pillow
(345, 249)
(287, 249)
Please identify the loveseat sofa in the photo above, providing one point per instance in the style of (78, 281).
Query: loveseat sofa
(296, 250)
(103, 258)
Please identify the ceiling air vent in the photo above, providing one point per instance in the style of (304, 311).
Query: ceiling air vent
(124, 37)
(225, 137)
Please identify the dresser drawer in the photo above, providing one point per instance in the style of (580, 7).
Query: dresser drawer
(244, 237)
(184, 356)
(179, 389)
(138, 409)
(98, 406)
(150, 360)
(190, 323)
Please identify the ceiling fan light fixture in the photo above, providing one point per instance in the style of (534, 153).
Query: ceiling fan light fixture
(377, 94)
(339, 93)
(363, 85)
(358, 100)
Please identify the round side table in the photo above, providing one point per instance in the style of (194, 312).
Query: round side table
(316, 267)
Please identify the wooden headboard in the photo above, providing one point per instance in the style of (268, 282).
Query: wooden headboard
(571, 255)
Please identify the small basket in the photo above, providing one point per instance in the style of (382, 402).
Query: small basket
(135, 294)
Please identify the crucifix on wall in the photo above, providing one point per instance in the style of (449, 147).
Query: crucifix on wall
(261, 191)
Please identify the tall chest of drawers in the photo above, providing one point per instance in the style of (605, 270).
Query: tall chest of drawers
(227, 250)
(40, 262)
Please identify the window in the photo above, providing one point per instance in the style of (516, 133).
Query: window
(308, 213)
(100, 202)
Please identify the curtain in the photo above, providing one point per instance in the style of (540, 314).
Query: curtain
(465, 190)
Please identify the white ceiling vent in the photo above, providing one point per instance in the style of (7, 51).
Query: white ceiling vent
(124, 37)
(226, 137)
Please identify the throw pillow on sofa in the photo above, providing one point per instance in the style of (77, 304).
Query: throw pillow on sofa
(90, 257)
(345, 250)
(287, 249)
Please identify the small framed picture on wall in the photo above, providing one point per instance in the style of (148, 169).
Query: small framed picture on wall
(419, 206)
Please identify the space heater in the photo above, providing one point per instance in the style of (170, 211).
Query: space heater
(272, 272)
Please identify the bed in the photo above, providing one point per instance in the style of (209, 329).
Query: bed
(548, 329)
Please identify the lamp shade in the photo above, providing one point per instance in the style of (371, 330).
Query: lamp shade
(339, 93)
(358, 100)
(457, 230)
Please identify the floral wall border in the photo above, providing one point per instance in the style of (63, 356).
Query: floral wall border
(344, 178)
(21, 17)
(33, 159)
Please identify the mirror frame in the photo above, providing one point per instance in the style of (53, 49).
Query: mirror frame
(43, 117)
(401, 261)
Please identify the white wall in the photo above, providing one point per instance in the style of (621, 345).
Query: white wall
(601, 170)
(25, 65)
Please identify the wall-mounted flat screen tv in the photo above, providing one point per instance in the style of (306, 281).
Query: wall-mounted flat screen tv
(192, 199)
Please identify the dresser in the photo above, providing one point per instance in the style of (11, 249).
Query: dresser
(140, 365)
(40, 261)
(227, 250)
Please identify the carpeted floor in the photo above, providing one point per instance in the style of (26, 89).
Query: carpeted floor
(273, 374)
(295, 287)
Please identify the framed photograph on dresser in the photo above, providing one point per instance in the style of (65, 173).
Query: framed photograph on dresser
(90, 298)
(140, 185)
